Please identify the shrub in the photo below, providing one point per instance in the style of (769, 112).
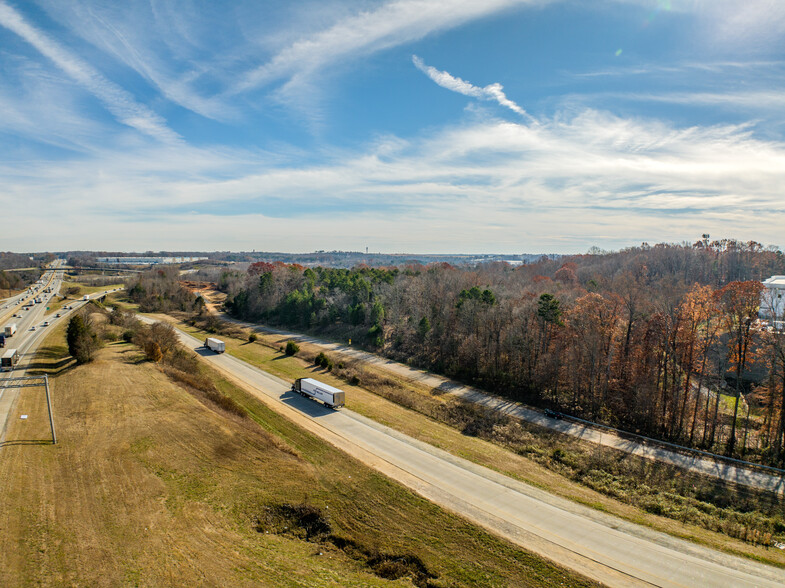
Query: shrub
(109, 335)
(154, 352)
(128, 336)
(252, 338)
(291, 348)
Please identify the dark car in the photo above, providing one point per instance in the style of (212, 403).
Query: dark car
(553, 414)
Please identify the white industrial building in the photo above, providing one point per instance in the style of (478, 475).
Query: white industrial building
(147, 260)
(772, 304)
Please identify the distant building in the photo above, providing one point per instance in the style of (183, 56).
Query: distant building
(772, 304)
(146, 260)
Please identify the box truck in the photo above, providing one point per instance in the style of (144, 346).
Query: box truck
(9, 359)
(332, 397)
(215, 344)
(9, 330)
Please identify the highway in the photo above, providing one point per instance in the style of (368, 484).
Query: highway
(736, 473)
(31, 330)
(600, 546)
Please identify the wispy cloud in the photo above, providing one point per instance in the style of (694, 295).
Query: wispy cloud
(494, 92)
(118, 101)
(509, 186)
(159, 47)
(368, 32)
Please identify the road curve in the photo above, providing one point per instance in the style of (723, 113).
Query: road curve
(600, 546)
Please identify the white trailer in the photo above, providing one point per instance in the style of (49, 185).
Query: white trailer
(86, 297)
(215, 344)
(332, 397)
(9, 359)
(10, 330)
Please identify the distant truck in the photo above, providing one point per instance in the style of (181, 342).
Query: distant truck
(332, 397)
(86, 297)
(2, 340)
(9, 359)
(215, 344)
(9, 330)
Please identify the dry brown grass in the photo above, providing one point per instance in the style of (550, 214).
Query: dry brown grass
(152, 485)
(522, 451)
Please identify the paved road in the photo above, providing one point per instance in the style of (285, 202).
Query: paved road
(704, 465)
(600, 546)
(24, 340)
(27, 341)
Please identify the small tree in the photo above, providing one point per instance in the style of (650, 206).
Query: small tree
(82, 341)
(252, 338)
(291, 348)
(155, 354)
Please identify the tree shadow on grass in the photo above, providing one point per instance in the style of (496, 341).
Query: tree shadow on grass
(40, 368)
(26, 442)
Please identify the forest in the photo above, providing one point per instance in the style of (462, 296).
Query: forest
(16, 280)
(659, 340)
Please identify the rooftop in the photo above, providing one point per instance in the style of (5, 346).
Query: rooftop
(775, 282)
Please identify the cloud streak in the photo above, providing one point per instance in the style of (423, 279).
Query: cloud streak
(493, 92)
(368, 32)
(491, 185)
(117, 101)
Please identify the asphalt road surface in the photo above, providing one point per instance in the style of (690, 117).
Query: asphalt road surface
(26, 340)
(600, 546)
(704, 465)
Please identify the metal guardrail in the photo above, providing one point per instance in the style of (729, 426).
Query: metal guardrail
(681, 448)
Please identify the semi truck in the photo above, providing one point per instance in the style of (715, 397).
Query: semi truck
(9, 359)
(332, 397)
(215, 344)
(2, 340)
(9, 330)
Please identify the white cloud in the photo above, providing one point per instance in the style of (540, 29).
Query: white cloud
(116, 100)
(368, 32)
(488, 186)
(158, 41)
(493, 92)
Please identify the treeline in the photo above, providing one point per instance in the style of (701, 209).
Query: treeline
(643, 339)
(159, 290)
(17, 280)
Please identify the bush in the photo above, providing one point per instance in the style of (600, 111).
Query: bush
(154, 352)
(252, 338)
(291, 348)
(128, 336)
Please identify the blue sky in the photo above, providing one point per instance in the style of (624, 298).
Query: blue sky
(405, 126)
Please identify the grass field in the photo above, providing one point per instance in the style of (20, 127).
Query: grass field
(57, 303)
(525, 463)
(151, 486)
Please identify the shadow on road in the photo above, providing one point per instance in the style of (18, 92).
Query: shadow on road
(445, 388)
(312, 408)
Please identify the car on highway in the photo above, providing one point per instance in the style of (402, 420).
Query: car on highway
(553, 414)
(46, 324)
(32, 328)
